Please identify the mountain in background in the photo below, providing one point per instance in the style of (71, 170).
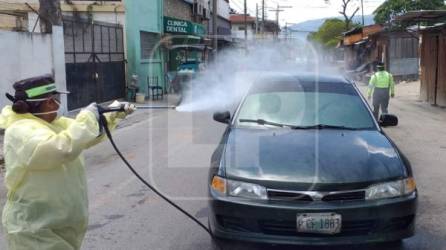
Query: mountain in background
(313, 25)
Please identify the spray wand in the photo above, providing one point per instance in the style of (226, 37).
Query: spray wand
(104, 126)
(103, 110)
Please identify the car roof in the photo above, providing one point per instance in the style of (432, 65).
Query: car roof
(305, 77)
(306, 82)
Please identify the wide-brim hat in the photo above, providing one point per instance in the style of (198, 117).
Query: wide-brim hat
(35, 87)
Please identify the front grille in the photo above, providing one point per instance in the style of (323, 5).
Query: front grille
(348, 196)
(309, 196)
(288, 228)
(288, 196)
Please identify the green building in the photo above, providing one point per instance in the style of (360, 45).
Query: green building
(144, 29)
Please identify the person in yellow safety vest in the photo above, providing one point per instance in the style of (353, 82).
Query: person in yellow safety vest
(47, 201)
(381, 87)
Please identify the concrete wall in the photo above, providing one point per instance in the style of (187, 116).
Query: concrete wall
(104, 11)
(240, 34)
(30, 54)
(178, 9)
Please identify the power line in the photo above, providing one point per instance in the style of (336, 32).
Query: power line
(302, 5)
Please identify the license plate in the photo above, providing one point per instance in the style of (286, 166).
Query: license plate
(322, 223)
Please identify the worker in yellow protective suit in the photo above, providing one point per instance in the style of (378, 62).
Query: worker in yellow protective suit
(382, 87)
(47, 203)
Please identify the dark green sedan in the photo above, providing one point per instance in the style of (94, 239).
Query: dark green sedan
(303, 161)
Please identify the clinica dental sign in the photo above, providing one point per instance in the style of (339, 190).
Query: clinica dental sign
(173, 25)
(176, 26)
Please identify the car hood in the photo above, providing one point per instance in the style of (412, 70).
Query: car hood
(310, 156)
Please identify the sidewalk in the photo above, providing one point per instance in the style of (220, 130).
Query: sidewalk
(138, 116)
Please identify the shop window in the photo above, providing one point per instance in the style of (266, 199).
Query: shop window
(149, 42)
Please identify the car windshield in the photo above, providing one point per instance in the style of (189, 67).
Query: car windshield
(305, 109)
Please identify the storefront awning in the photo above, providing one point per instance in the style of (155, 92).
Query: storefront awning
(188, 46)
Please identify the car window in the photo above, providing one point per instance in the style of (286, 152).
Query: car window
(299, 108)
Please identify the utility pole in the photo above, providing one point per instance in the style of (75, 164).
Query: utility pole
(245, 14)
(51, 14)
(257, 18)
(286, 31)
(278, 10)
(362, 9)
(263, 18)
(214, 26)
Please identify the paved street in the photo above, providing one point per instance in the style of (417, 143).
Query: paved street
(173, 149)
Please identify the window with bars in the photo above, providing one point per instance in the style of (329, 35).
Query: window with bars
(149, 42)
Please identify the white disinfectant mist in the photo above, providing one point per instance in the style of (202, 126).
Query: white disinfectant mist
(223, 83)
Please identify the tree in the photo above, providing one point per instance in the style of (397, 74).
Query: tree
(348, 18)
(391, 8)
(50, 14)
(329, 33)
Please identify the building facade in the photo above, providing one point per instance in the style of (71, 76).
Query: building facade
(93, 43)
(366, 46)
(144, 52)
(238, 26)
(432, 47)
(224, 32)
(185, 30)
(21, 14)
(256, 29)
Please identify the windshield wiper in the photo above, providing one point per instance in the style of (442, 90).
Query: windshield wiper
(264, 122)
(325, 126)
(317, 126)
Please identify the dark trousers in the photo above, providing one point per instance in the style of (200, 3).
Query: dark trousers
(381, 98)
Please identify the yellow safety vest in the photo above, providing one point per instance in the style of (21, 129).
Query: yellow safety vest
(381, 79)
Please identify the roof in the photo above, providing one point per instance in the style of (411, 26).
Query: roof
(359, 34)
(366, 30)
(240, 18)
(353, 31)
(421, 15)
(437, 26)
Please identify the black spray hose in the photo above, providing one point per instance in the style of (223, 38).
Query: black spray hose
(103, 125)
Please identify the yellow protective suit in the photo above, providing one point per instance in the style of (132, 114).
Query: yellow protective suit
(47, 205)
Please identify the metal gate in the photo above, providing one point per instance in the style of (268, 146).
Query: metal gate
(95, 63)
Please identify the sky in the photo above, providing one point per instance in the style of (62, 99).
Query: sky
(303, 10)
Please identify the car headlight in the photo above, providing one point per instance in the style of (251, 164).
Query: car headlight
(391, 189)
(238, 189)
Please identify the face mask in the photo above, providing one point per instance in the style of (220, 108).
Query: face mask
(49, 112)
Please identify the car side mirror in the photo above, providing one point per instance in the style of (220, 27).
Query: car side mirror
(387, 120)
(223, 117)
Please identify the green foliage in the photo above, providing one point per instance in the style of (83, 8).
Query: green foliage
(391, 8)
(329, 33)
